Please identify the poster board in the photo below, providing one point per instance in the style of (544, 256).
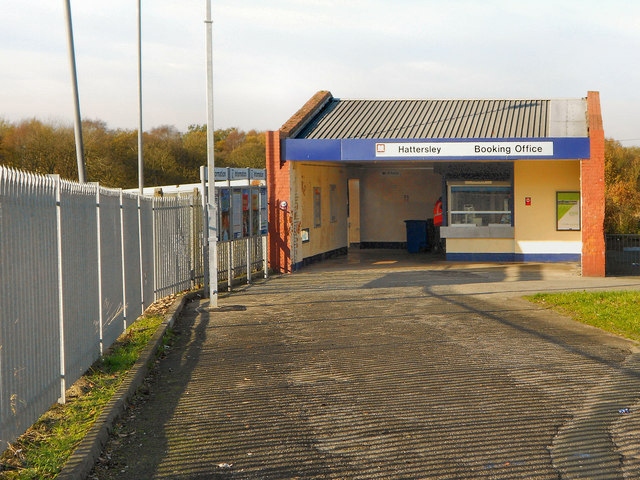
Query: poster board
(264, 219)
(224, 230)
(237, 213)
(568, 211)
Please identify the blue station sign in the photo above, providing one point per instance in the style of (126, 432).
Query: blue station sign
(561, 148)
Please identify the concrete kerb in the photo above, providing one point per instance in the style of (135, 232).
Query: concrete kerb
(84, 457)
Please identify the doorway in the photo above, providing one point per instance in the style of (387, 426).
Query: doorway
(353, 211)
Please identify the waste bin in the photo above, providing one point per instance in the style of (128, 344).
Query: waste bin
(416, 235)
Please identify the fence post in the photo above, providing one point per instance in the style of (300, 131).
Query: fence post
(141, 256)
(205, 228)
(265, 243)
(192, 238)
(155, 249)
(248, 239)
(63, 387)
(124, 267)
(100, 290)
(230, 256)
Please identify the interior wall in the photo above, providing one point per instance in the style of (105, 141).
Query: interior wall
(389, 196)
(311, 186)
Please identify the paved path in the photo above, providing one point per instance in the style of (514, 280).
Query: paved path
(389, 368)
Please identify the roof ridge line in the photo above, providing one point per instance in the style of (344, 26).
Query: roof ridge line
(299, 119)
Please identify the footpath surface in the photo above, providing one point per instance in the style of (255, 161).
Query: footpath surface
(372, 367)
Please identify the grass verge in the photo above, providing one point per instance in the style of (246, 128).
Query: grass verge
(42, 451)
(616, 311)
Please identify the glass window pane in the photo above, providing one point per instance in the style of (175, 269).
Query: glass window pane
(480, 205)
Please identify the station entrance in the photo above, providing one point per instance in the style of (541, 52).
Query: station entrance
(519, 180)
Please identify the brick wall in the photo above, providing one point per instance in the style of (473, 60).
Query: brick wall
(279, 190)
(308, 110)
(593, 200)
(279, 184)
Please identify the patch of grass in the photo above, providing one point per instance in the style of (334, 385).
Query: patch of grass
(43, 450)
(616, 311)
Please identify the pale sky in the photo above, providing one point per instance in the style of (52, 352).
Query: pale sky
(271, 56)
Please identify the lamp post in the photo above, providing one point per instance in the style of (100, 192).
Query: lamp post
(140, 156)
(77, 124)
(211, 191)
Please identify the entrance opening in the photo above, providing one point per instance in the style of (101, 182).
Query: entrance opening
(353, 212)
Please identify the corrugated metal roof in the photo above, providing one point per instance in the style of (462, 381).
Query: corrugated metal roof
(429, 119)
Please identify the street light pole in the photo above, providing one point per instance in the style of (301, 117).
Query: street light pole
(211, 192)
(140, 154)
(77, 125)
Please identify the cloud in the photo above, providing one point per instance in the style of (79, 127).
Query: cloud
(270, 57)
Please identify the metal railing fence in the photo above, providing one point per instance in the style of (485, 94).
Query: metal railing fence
(29, 317)
(622, 254)
(78, 264)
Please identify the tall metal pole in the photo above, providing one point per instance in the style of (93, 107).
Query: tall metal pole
(76, 98)
(140, 158)
(211, 195)
(145, 301)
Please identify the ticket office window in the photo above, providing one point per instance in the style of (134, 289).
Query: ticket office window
(480, 205)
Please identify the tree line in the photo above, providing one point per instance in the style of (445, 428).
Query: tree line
(622, 188)
(172, 157)
(111, 155)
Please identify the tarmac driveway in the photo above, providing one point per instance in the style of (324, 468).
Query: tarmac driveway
(386, 370)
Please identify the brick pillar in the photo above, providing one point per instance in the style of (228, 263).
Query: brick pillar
(278, 191)
(592, 188)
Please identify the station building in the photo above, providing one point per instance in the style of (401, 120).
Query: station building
(519, 180)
